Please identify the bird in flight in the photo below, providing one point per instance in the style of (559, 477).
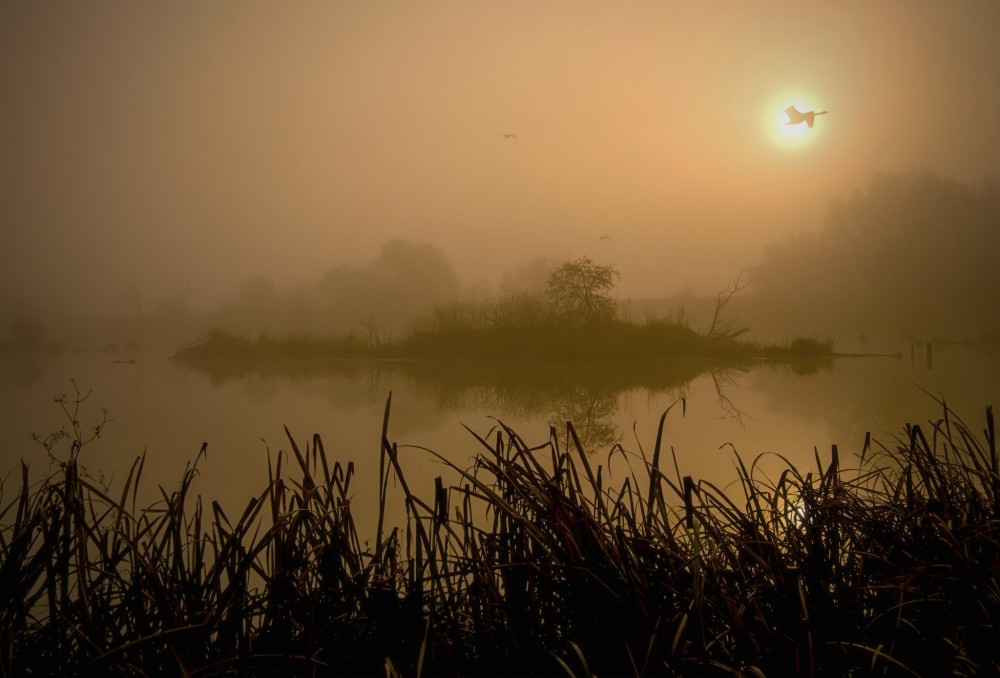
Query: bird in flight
(605, 237)
(795, 116)
(510, 136)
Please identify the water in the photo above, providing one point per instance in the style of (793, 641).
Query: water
(167, 411)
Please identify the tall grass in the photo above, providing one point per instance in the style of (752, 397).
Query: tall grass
(533, 560)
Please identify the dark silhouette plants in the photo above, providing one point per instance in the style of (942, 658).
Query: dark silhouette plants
(534, 560)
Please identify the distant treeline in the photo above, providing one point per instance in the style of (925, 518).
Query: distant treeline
(912, 254)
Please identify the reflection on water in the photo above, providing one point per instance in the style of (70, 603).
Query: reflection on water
(168, 411)
(584, 393)
(592, 416)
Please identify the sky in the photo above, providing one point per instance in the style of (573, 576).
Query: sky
(157, 148)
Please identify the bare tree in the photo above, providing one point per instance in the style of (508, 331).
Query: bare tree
(726, 327)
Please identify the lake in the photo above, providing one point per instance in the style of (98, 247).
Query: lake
(168, 410)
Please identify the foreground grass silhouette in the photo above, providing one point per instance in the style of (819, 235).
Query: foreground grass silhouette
(528, 562)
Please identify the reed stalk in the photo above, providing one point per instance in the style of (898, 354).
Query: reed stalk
(531, 561)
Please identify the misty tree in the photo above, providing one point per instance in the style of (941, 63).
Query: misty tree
(912, 253)
(580, 290)
(416, 272)
(405, 279)
(256, 290)
(174, 306)
(531, 276)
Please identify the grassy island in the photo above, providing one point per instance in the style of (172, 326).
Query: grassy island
(607, 342)
(575, 319)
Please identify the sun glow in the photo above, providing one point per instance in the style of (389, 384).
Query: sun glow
(790, 137)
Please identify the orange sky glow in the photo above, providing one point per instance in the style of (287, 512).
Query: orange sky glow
(170, 146)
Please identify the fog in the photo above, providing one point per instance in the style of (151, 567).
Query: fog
(912, 254)
(309, 165)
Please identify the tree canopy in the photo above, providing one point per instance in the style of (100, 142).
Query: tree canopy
(580, 290)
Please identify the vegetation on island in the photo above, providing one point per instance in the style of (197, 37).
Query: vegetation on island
(575, 318)
(532, 561)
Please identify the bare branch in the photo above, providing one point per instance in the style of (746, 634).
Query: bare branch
(722, 327)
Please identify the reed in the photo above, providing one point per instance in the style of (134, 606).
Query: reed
(534, 560)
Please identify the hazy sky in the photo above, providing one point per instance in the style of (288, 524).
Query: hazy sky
(189, 145)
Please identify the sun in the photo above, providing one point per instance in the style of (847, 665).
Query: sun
(783, 135)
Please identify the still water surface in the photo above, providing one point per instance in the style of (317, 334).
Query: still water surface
(167, 411)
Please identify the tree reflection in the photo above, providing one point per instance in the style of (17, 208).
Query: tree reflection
(588, 394)
(724, 380)
(592, 414)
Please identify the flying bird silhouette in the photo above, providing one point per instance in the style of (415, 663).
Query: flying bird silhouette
(509, 136)
(795, 116)
(605, 237)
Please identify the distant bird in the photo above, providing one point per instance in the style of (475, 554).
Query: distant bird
(510, 136)
(605, 237)
(795, 116)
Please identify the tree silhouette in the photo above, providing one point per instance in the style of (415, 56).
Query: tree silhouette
(724, 326)
(579, 290)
